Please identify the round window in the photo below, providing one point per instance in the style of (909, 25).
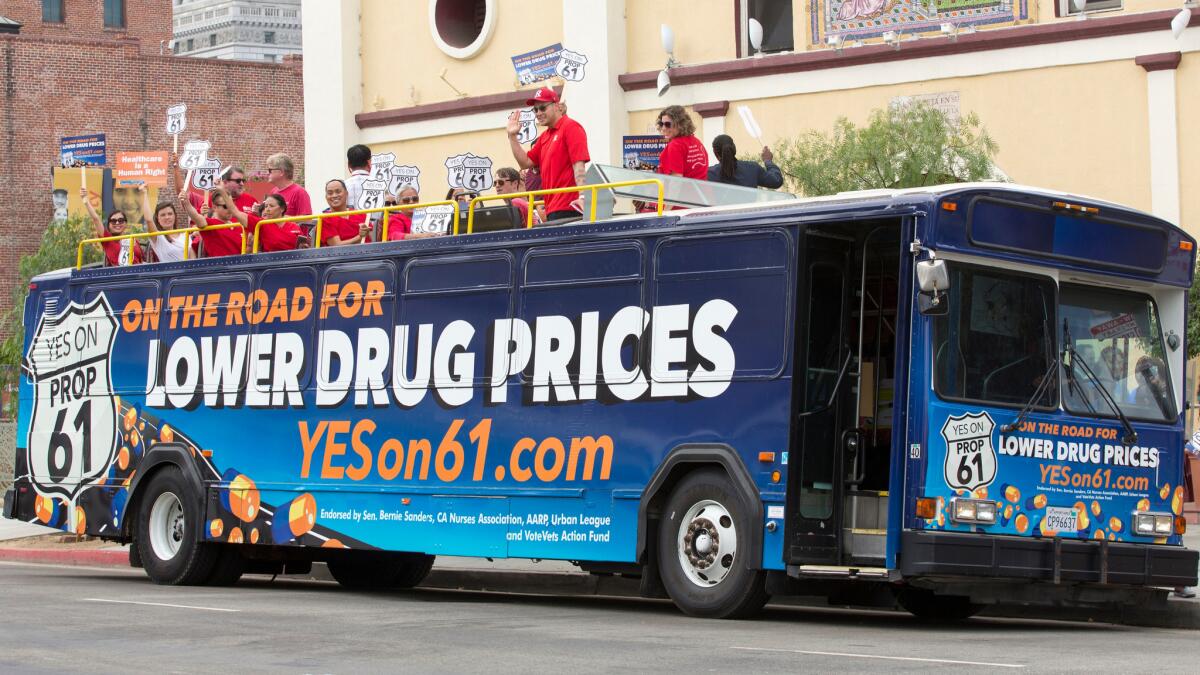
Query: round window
(461, 28)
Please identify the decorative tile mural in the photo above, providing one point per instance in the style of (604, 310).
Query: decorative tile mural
(864, 19)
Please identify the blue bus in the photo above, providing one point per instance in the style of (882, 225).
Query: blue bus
(945, 397)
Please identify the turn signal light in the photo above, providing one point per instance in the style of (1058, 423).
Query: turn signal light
(766, 457)
(926, 508)
(1180, 525)
(1186, 246)
(776, 476)
(949, 206)
(1075, 207)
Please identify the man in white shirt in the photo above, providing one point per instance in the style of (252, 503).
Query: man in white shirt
(358, 159)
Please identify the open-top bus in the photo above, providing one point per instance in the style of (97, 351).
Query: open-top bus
(958, 395)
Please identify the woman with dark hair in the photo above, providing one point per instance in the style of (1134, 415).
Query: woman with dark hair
(734, 171)
(508, 180)
(217, 242)
(165, 247)
(685, 154)
(272, 236)
(342, 230)
(118, 251)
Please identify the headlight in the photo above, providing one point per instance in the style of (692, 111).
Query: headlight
(981, 511)
(1153, 524)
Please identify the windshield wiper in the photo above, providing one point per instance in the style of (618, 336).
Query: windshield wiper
(1069, 359)
(1037, 395)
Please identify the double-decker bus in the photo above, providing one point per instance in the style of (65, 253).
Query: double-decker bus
(955, 396)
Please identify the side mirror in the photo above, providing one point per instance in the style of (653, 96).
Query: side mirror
(933, 280)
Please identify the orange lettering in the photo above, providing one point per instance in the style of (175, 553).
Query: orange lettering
(309, 445)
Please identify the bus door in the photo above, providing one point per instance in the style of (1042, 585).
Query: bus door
(825, 369)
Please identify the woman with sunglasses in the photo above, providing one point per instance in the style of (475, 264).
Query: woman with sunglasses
(165, 247)
(685, 155)
(272, 236)
(217, 242)
(400, 222)
(119, 251)
(508, 181)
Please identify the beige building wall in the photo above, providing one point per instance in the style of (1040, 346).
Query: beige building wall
(430, 155)
(704, 32)
(1187, 83)
(402, 66)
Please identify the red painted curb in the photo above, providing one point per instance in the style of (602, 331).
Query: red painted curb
(104, 557)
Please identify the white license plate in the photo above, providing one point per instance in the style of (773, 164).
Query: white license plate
(1061, 520)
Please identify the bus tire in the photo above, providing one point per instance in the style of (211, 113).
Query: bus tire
(366, 571)
(229, 568)
(167, 526)
(698, 553)
(927, 606)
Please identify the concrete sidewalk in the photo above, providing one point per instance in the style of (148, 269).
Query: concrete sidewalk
(25, 542)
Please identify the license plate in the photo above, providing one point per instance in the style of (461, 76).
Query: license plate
(1061, 520)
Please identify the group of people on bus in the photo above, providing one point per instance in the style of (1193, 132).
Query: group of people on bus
(557, 159)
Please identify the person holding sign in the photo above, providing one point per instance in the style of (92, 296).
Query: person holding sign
(233, 178)
(561, 154)
(165, 247)
(400, 222)
(222, 242)
(733, 171)
(685, 155)
(118, 251)
(272, 236)
(342, 230)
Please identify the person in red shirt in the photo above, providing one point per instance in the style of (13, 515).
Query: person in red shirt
(342, 230)
(116, 252)
(507, 181)
(234, 180)
(685, 155)
(400, 222)
(217, 242)
(280, 170)
(272, 236)
(560, 153)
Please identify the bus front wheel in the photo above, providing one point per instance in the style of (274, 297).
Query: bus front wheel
(701, 561)
(167, 542)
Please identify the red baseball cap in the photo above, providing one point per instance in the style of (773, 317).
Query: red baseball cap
(543, 95)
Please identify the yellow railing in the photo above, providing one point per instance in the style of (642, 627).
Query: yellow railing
(530, 194)
(133, 236)
(320, 218)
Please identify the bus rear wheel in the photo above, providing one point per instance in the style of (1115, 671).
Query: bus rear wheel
(927, 606)
(365, 571)
(167, 525)
(702, 562)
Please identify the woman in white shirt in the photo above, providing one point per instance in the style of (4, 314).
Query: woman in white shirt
(166, 247)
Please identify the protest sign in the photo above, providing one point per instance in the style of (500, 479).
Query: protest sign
(372, 194)
(381, 166)
(536, 65)
(570, 66)
(477, 173)
(404, 176)
(141, 168)
(89, 150)
(195, 153)
(642, 152)
(529, 130)
(433, 219)
(204, 177)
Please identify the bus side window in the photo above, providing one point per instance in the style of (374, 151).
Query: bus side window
(572, 293)
(357, 300)
(204, 312)
(292, 294)
(750, 270)
(136, 308)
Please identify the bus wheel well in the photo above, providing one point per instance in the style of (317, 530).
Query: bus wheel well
(156, 460)
(680, 462)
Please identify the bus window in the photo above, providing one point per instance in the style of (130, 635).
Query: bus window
(997, 340)
(1117, 335)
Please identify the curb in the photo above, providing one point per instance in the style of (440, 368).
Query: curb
(1179, 614)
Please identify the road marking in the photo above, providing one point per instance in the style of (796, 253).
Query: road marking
(161, 604)
(887, 658)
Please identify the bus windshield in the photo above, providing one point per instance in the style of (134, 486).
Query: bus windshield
(1117, 334)
(996, 343)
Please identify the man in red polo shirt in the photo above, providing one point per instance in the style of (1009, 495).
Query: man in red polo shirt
(560, 154)
(280, 170)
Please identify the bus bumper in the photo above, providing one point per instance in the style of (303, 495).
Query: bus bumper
(946, 554)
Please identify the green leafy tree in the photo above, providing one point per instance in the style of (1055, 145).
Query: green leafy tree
(901, 146)
(59, 247)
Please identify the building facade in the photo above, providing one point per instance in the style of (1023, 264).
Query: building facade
(248, 30)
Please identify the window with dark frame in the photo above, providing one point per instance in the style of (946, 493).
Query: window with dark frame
(776, 19)
(114, 13)
(52, 11)
(269, 37)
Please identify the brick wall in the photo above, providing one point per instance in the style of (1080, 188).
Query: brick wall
(58, 86)
(146, 20)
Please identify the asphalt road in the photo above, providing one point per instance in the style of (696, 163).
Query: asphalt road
(59, 619)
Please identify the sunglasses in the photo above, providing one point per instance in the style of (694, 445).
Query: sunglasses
(117, 221)
(409, 200)
(542, 107)
(664, 124)
(239, 181)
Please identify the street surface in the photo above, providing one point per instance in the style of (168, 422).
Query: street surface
(59, 619)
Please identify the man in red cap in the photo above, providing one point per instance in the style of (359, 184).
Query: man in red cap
(560, 154)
